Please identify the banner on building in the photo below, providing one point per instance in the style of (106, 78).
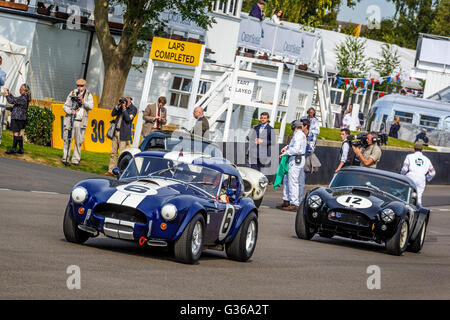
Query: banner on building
(276, 39)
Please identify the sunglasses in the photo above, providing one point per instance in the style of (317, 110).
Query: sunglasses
(80, 85)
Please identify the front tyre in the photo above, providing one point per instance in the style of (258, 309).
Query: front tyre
(244, 243)
(417, 244)
(399, 241)
(303, 230)
(188, 248)
(70, 228)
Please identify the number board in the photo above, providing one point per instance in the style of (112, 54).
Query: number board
(95, 136)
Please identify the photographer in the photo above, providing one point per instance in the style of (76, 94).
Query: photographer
(76, 107)
(124, 112)
(372, 152)
(346, 154)
(19, 114)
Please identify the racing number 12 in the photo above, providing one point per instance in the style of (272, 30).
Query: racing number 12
(355, 200)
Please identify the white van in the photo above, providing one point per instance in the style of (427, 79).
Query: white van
(415, 114)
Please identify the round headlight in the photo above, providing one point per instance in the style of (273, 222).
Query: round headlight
(387, 215)
(314, 202)
(263, 182)
(79, 195)
(169, 212)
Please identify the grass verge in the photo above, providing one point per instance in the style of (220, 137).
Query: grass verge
(93, 162)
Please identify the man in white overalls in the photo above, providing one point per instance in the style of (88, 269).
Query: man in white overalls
(296, 152)
(419, 169)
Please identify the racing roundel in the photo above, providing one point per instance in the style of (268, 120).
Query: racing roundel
(352, 201)
(419, 162)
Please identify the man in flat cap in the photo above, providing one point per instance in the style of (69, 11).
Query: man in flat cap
(78, 103)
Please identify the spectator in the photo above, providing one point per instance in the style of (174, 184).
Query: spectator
(81, 114)
(201, 126)
(19, 114)
(347, 121)
(419, 169)
(2, 74)
(124, 112)
(314, 123)
(361, 119)
(422, 137)
(155, 116)
(296, 152)
(310, 148)
(393, 131)
(346, 155)
(277, 17)
(261, 142)
(257, 10)
(383, 135)
(340, 116)
(371, 154)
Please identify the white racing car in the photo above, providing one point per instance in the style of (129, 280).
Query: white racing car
(192, 147)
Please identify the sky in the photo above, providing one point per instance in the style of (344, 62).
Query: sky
(359, 13)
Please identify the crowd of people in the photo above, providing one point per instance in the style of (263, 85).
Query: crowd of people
(296, 159)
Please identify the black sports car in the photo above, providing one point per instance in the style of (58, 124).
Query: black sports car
(366, 204)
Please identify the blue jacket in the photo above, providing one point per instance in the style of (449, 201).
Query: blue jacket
(311, 141)
(266, 136)
(256, 12)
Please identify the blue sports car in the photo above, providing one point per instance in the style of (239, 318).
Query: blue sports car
(159, 200)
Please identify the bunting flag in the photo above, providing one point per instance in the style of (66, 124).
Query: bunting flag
(339, 82)
(346, 81)
(381, 94)
(355, 81)
(372, 80)
(381, 81)
(388, 79)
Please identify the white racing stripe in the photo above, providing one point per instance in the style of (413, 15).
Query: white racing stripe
(132, 194)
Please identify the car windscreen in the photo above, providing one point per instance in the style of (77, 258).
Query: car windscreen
(193, 145)
(355, 178)
(201, 177)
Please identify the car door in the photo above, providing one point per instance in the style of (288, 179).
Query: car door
(221, 220)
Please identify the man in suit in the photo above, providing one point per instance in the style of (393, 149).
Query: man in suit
(201, 126)
(260, 143)
(155, 116)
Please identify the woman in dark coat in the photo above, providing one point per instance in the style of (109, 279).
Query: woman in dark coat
(393, 131)
(19, 112)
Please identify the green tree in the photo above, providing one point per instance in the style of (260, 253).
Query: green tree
(441, 22)
(312, 13)
(140, 18)
(351, 59)
(388, 64)
(411, 18)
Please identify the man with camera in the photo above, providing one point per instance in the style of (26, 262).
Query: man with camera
(125, 112)
(372, 152)
(77, 106)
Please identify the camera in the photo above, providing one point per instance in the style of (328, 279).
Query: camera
(76, 102)
(123, 100)
(359, 141)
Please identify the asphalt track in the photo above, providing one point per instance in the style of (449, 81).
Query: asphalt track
(35, 256)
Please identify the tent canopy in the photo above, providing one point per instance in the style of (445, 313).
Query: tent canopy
(15, 65)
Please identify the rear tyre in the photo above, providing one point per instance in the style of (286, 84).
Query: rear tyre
(70, 228)
(258, 202)
(417, 244)
(124, 161)
(188, 248)
(303, 230)
(244, 243)
(399, 241)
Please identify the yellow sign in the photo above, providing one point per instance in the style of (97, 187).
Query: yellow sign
(175, 51)
(95, 136)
